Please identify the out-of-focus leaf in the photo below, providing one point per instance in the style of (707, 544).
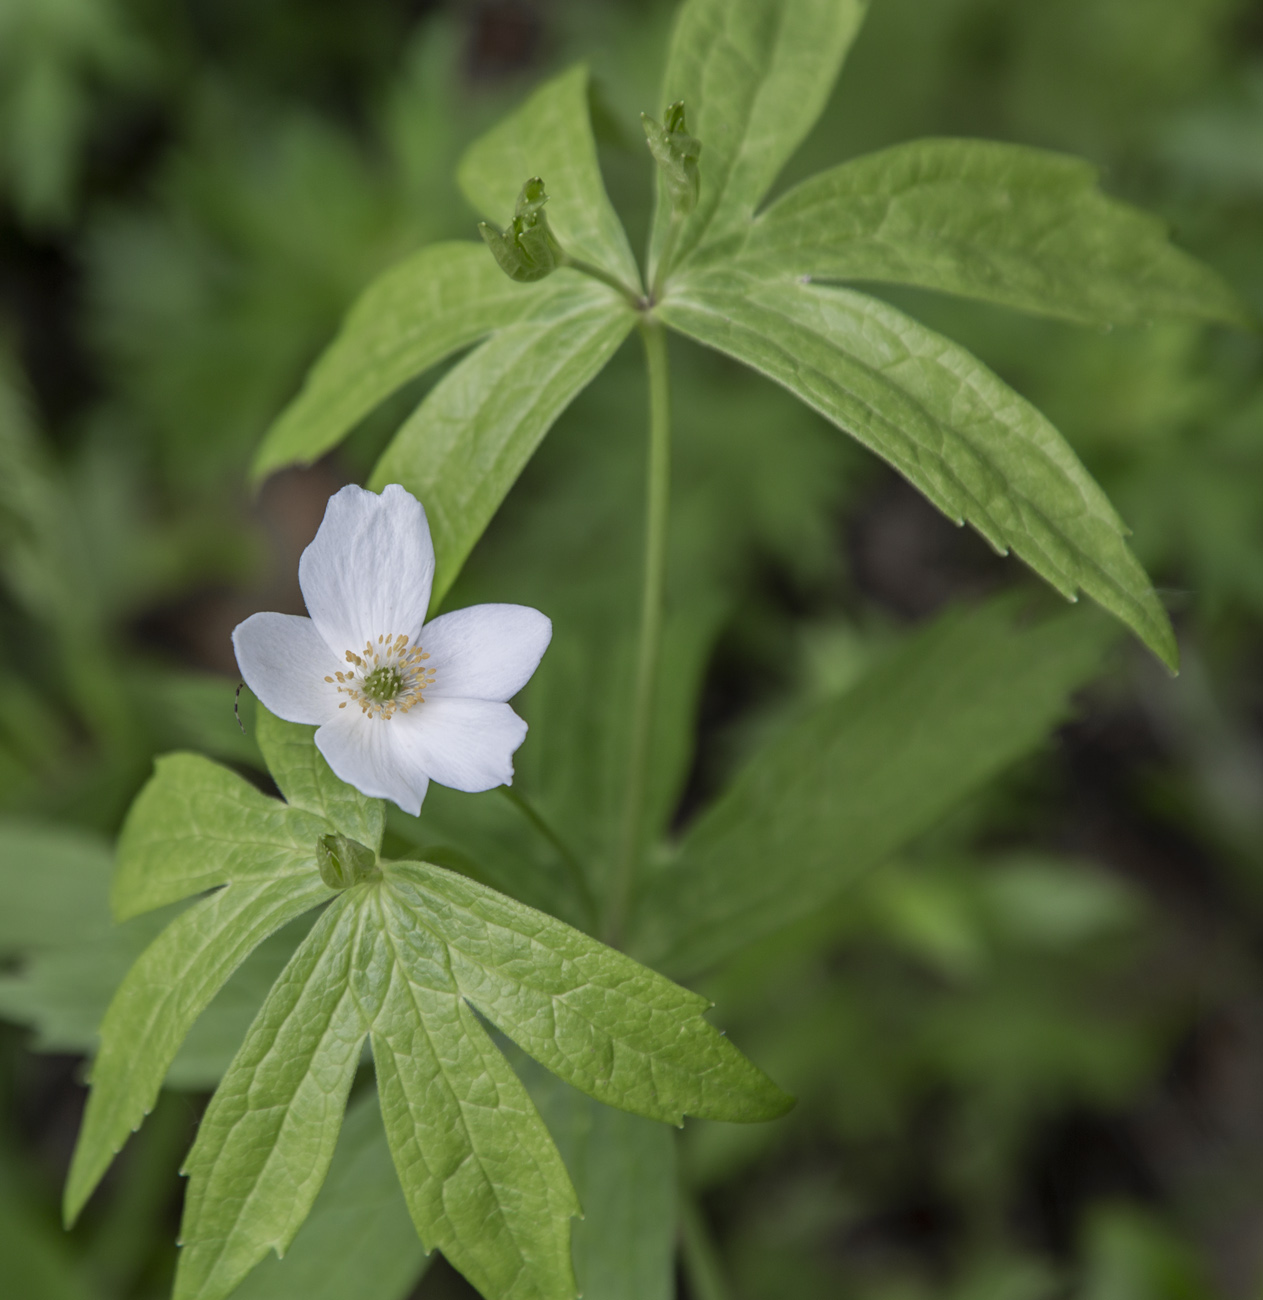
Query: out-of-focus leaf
(358, 1239)
(54, 886)
(550, 136)
(1017, 226)
(623, 1169)
(754, 76)
(436, 302)
(38, 1262)
(940, 417)
(861, 776)
(468, 441)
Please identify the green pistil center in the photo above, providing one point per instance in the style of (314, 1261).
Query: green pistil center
(383, 683)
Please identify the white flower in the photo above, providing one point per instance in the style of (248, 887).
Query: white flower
(398, 701)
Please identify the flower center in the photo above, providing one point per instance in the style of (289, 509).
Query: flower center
(384, 677)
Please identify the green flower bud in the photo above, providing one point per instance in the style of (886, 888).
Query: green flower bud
(676, 153)
(343, 862)
(527, 250)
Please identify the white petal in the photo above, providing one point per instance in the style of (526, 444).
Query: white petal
(367, 572)
(485, 652)
(364, 752)
(466, 744)
(284, 661)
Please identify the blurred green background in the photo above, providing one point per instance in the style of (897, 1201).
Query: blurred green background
(1029, 1055)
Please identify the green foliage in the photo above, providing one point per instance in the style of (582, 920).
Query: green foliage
(1009, 225)
(440, 300)
(954, 430)
(754, 76)
(358, 1239)
(857, 778)
(550, 136)
(624, 1171)
(463, 448)
(403, 955)
(975, 997)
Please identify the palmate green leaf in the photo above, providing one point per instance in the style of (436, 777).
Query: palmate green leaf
(170, 985)
(306, 780)
(624, 1171)
(754, 76)
(550, 136)
(358, 1240)
(861, 776)
(482, 1180)
(1000, 222)
(614, 1029)
(429, 306)
(466, 444)
(265, 1142)
(959, 434)
(195, 826)
(409, 958)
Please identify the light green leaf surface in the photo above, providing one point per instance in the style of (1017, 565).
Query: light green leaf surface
(469, 440)
(861, 776)
(266, 1140)
(754, 76)
(482, 1179)
(429, 306)
(54, 885)
(550, 136)
(166, 990)
(623, 1168)
(959, 434)
(307, 782)
(358, 1242)
(196, 825)
(1000, 222)
(614, 1029)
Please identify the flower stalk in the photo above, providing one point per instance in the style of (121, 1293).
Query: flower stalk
(657, 510)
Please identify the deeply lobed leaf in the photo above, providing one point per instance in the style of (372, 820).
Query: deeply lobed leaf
(196, 826)
(482, 1179)
(614, 1029)
(358, 1240)
(265, 1142)
(432, 304)
(150, 1015)
(469, 440)
(754, 76)
(550, 136)
(1000, 222)
(979, 451)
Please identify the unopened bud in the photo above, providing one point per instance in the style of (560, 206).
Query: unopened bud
(527, 250)
(676, 153)
(343, 862)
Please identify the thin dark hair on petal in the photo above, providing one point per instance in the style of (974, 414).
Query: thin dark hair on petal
(236, 707)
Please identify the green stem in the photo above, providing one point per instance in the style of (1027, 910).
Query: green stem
(597, 273)
(656, 515)
(702, 1265)
(573, 866)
